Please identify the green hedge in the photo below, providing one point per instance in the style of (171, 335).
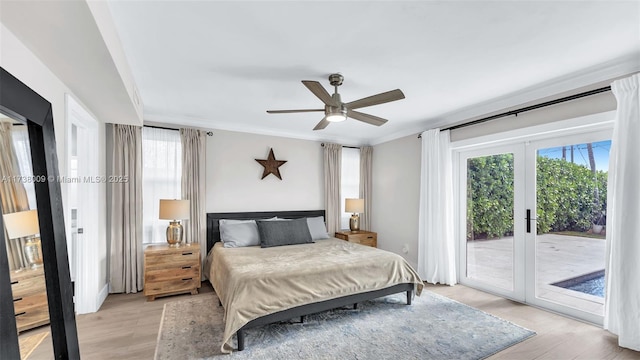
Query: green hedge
(566, 196)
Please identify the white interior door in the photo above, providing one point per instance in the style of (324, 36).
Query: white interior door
(81, 207)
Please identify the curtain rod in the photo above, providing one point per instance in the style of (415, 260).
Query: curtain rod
(529, 108)
(344, 146)
(209, 133)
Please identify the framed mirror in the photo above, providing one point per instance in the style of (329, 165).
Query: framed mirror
(24, 106)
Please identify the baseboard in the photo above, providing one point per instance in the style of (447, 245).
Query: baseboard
(102, 296)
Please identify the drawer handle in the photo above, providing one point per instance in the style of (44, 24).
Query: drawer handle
(186, 267)
(369, 237)
(22, 313)
(17, 299)
(14, 282)
(187, 279)
(187, 253)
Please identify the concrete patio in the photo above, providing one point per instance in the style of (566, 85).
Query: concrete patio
(558, 257)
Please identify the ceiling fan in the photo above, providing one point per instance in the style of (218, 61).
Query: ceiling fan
(335, 110)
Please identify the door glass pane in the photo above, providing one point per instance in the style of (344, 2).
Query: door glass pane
(571, 197)
(490, 247)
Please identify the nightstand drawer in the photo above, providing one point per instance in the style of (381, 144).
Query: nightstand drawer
(175, 260)
(32, 318)
(183, 272)
(28, 286)
(362, 238)
(171, 286)
(31, 302)
(364, 241)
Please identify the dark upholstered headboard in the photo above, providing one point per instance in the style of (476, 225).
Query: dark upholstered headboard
(213, 227)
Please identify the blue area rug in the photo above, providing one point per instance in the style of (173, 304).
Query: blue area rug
(434, 327)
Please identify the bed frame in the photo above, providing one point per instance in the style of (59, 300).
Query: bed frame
(213, 236)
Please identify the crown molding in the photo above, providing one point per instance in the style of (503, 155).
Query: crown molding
(213, 125)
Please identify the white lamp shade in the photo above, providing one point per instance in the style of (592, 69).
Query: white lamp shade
(174, 209)
(354, 205)
(21, 224)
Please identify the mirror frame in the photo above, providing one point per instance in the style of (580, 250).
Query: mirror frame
(21, 103)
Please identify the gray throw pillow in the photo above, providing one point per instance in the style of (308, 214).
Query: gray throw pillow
(317, 228)
(278, 233)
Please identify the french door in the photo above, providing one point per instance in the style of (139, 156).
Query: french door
(533, 220)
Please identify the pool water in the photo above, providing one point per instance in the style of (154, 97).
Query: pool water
(592, 284)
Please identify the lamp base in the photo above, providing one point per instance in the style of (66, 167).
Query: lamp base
(33, 252)
(174, 233)
(354, 222)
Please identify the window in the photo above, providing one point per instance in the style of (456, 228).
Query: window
(350, 181)
(161, 176)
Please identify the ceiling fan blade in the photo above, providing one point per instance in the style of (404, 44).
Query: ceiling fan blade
(322, 124)
(318, 90)
(369, 119)
(292, 111)
(381, 98)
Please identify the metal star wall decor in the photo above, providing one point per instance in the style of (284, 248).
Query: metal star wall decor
(271, 165)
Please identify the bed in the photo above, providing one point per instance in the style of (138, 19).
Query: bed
(258, 286)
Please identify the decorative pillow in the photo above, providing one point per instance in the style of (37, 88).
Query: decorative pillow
(278, 233)
(317, 228)
(239, 233)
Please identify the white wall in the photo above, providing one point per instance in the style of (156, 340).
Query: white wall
(233, 175)
(593, 104)
(396, 190)
(18, 60)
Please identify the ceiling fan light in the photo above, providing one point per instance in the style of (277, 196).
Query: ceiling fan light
(336, 117)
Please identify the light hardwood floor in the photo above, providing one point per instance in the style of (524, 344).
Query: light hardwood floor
(126, 327)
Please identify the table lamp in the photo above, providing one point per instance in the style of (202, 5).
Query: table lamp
(24, 224)
(354, 206)
(174, 210)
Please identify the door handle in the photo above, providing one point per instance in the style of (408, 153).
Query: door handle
(528, 219)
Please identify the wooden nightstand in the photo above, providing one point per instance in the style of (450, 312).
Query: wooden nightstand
(29, 298)
(367, 238)
(171, 270)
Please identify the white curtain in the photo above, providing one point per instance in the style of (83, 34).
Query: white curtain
(126, 270)
(193, 186)
(366, 185)
(161, 178)
(436, 243)
(622, 301)
(332, 167)
(349, 181)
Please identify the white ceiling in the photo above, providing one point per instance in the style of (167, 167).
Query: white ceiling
(221, 65)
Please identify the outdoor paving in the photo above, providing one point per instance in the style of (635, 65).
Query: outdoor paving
(559, 257)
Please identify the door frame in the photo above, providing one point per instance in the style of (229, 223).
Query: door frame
(538, 133)
(86, 254)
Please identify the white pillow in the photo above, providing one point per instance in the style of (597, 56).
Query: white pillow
(317, 228)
